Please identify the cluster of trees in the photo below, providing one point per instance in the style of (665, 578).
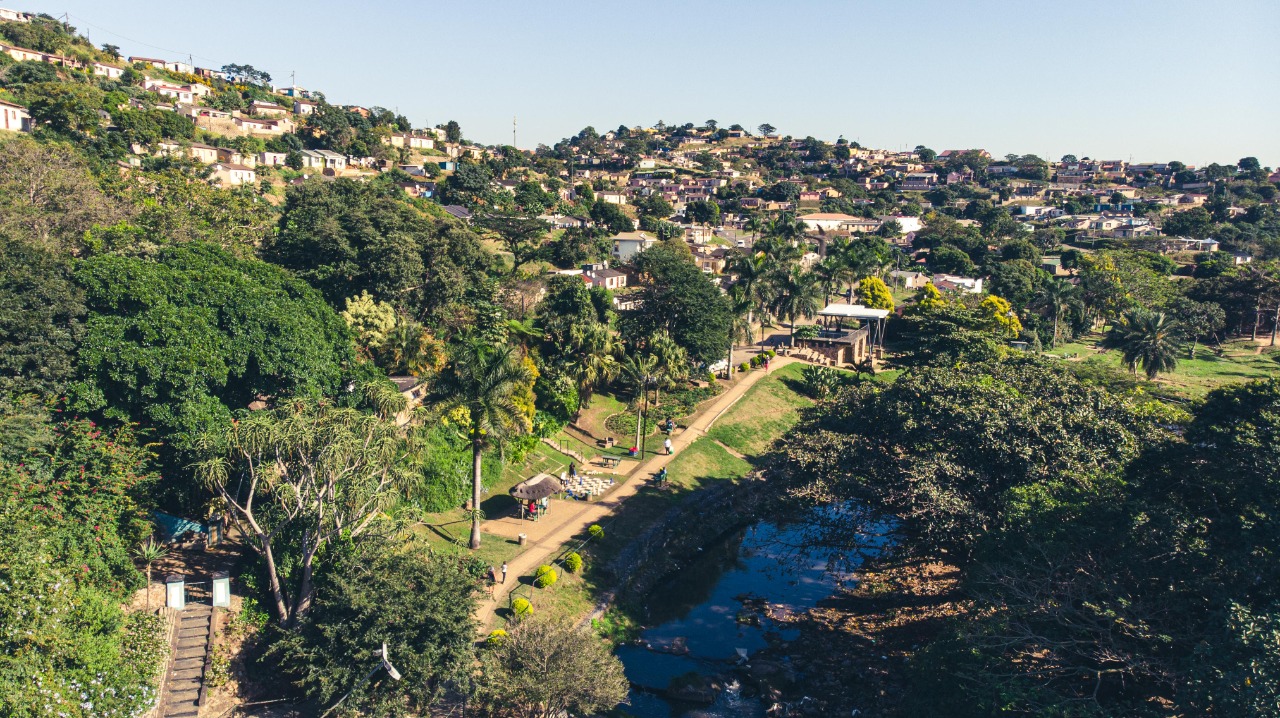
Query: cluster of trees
(1110, 565)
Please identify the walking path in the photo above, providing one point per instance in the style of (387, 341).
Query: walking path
(567, 519)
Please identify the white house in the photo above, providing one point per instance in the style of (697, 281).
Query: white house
(109, 71)
(272, 159)
(909, 280)
(14, 117)
(953, 282)
(234, 174)
(608, 278)
(628, 244)
(324, 159)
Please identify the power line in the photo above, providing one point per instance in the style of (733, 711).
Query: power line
(83, 21)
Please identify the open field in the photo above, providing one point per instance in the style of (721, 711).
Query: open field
(1240, 360)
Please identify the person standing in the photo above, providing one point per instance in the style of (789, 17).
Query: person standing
(504, 572)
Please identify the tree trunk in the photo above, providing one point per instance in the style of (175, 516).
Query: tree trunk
(302, 604)
(1194, 339)
(476, 456)
(729, 368)
(793, 331)
(1257, 316)
(277, 591)
(1055, 330)
(149, 585)
(639, 413)
(1275, 325)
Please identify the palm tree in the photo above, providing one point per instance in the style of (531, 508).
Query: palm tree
(751, 270)
(831, 273)
(672, 363)
(149, 553)
(1057, 299)
(740, 305)
(796, 295)
(482, 380)
(639, 372)
(594, 354)
(411, 349)
(1147, 339)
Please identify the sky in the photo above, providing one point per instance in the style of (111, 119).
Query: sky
(1151, 80)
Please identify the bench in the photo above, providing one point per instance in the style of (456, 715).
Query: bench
(610, 462)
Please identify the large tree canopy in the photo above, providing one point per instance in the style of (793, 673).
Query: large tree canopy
(180, 342)
(345, 237)
(677, 297)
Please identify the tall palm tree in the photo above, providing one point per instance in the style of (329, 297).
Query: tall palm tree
(482, 379)
(795, 296)
(1147, 339)
(740, 306)
(411, 349)
(751, 270)
(640, 372)
(1057, 299)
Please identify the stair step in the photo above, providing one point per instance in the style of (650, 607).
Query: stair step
(186, 664)
(196, 620)
(201, 633)
(189, 653)
(192, 643)
(184, 696)
(181, 688)
(187, 674)
(181, 710)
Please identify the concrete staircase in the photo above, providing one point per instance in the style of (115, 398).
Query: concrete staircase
(184, 686)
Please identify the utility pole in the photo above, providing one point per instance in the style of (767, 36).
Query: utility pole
(293, 78)
(513, 131)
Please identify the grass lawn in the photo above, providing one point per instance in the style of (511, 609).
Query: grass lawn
(1193, 378)
(766, 412)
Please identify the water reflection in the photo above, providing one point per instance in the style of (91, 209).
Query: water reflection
(698, 617)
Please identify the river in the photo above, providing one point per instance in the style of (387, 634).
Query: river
(701, 616)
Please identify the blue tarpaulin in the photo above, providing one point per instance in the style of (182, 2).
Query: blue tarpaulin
(171, 526)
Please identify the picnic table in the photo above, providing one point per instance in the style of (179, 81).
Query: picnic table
(610, 462)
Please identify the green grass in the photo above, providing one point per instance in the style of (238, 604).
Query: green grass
(1193, 378)
(704, 460)
(766, 412)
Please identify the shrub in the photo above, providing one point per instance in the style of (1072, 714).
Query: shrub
(710, 377)
(755, 361)
(497, 636)
(545, 576)
(573, 562)
(771, 353)
(820, 382)
(742, 367)
(596, 531)
(521, 607)
(624, 424)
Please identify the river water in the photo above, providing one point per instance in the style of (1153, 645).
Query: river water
(701, 608)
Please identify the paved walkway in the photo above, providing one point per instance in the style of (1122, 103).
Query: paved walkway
(566, 519)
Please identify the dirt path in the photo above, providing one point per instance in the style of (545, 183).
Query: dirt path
(566, 519)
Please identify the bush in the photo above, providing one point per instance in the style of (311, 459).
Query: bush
(545, 576)
(573, 562)
(710, 378)
(820, 382)
(624, 424)
(771, 353)
(497, 636)
(755, 361)
(521, 607)
(742, 367)
(596, 531)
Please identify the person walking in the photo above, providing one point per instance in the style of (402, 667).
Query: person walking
(504, 572)
(668, 446)
(493, 579)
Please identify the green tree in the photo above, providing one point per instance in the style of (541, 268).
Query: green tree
(611, 218)
(677, 297)
(1146, 339)
(41, 319)
(181, 341)
(522, 236)
(639, 371)
(418, 603)
(66, 107)
(703, 212)
(300, 478)
(1058, 299)
(483, 382)
(1197, 320)
(951, 260)
(766, 129)
(50, 196)
(537, 670)
(795, 295)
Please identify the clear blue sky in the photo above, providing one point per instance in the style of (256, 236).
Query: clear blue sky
(1196, 81)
